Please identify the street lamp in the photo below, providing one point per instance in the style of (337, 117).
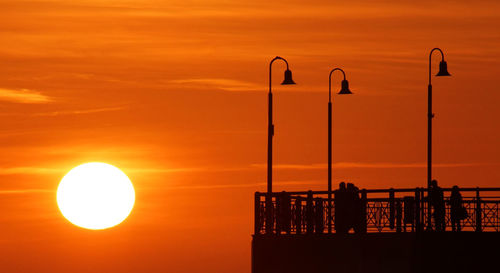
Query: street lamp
(270, 128)
(270, 133)
(443, 71)
(343, 91)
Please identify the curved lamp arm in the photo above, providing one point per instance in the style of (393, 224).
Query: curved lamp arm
(271, 66)
(330, 82)
(430, 59)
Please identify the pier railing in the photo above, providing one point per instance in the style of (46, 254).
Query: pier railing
(378, 210)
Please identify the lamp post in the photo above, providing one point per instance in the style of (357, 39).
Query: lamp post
(270, 133)
(343, 91)
(443, 71)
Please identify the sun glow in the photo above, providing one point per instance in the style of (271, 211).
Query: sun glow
(95, 196)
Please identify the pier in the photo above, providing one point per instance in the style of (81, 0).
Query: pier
(295, 232)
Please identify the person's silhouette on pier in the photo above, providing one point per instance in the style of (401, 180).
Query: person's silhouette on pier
(340, 203)
(353, 203)
(457, 210)
(284, 212)
(436, 198)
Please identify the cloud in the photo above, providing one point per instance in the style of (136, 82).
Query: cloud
(364, 165)
(24, 191)
(79, 112)
(162, 170)
(246, 185)
(220, 83)
(30, 170)
(23, 96)
(51, 170)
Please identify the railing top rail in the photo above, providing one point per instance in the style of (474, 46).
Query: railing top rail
(387, 190)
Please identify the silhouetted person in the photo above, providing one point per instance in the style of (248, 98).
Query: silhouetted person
(319, 224)
(285, 212)
(340, 209)
(353, 204)
(436, 198)
(457, 211)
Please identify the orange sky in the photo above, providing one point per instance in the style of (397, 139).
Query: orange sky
(174, 94)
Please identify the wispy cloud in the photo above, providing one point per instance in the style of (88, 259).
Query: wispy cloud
(79, 112)
(404, 165)
(222, 84)
(53, 170)
(340, 165)
(161, 170)
(30, 170)
(364, 165)
(24, 191)
(246, 185)
(23, 96)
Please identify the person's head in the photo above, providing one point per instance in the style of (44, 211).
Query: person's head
(455, 189)
(434, 183)
(350, 186)
(342, 185)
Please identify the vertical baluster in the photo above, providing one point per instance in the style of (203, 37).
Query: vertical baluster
(309, 213)
(391, 208)
(363, 211)
(479, 223)
(399, 215)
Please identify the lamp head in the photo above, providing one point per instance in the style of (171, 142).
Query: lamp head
(288, 78)
(443, 69)
(345, 88)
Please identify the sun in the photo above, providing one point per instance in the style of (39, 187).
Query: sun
(95, 196)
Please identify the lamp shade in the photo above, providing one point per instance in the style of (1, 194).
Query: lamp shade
(345, 88)
(288, 78)
(443, 69)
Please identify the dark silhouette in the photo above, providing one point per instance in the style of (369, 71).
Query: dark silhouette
(379, 210)
(283, 221)
(340, 209)
(387, 248)
(270, 133)
(409, 212)
(457, 210)
(354, 205)
(436, 200)
(443, 71)
(344, 90)
(270, 126)
(318, 216)
(297, 217)
(309, 213)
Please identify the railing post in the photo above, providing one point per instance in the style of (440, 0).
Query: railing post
(257, 222)
(309, 213)
(391, 208)
(269, 213)
(479, 222)
(286, 207)
(418, 214)
(363, 211)
(399, 215)
(279, 213)
(319, 215)
(298, 215)
(423, 210)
